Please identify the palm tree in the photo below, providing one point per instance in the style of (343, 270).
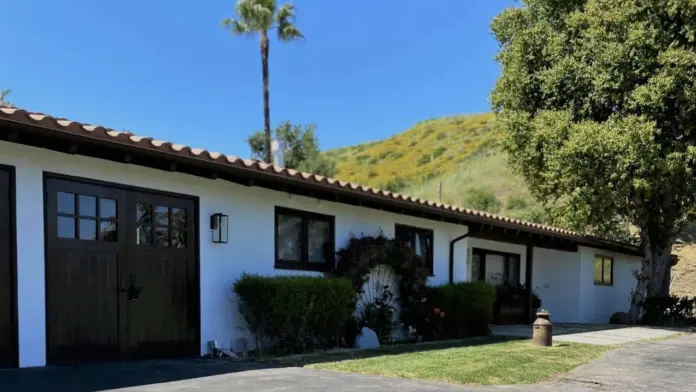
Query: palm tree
(260, 17)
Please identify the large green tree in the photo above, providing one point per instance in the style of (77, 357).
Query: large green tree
(261, 17)
(300, 148)
(598, 99)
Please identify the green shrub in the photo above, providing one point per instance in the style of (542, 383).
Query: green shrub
(373, 161)
(293, 314)
(372, 174)
(482, 200)
(441, 136)
(457, 310)
(439, 151)
(362, 158)
(394, 184)
(423, 160)
(517, 203)
(669, 310)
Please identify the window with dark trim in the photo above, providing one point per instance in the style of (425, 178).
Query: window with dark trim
(484, 268)
(303, 240)
(603, 270)
(86, 217)
(421, 240)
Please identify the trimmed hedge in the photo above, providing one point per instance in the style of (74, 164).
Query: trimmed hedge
(293, 314)
(467, 307)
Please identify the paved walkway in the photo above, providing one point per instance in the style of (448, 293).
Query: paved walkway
(600, 334)
(665, 365)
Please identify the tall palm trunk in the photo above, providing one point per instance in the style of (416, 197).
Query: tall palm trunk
(266, 97)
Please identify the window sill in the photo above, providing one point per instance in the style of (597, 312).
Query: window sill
(604, 284)
(300, 267)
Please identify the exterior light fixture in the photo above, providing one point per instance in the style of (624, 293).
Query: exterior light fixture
(218, 225)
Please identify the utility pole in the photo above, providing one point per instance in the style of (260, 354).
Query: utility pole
(439, 191)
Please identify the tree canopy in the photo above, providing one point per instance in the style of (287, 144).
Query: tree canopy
(598, 100)
(300, 148)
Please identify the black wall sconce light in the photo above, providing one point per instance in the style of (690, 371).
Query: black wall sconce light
(218, 224)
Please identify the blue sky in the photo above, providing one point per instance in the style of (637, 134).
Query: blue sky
(367, 70)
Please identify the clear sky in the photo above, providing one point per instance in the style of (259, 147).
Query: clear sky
(368, 68)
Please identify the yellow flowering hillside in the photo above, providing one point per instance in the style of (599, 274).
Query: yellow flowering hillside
(429, 149)
(456, 160)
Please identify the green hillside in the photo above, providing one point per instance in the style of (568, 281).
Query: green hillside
(458, 157)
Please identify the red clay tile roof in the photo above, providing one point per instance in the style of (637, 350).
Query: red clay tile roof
(21, 116)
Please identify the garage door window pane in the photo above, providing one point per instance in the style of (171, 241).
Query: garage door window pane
(66, 203)
(162, 216)
(144, 214)
(107, 208)
(162, 237)
(88, 229)
(107, 231)
(88, 205)
(144, 235)
(66, 227)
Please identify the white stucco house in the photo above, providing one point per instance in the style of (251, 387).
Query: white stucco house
(107, 250)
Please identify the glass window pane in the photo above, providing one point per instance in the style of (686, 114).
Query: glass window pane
(144, 214)
(144, 235)
(598, 270)
(289, 232)
(179, 237)
(107, 231)
(88, 205)
(162, 216)
(88, 229)
(319, 241)
(162, 237)
(475, 267)
(66, 203)
(107, 208)
(607, 271)
(66, 227)
(179, 217)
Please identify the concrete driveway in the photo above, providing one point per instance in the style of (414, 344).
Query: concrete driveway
(665, 365)
(600, 334)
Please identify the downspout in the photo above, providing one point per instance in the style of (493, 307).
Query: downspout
(451, 253)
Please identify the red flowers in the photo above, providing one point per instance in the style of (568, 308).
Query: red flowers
(437, 312)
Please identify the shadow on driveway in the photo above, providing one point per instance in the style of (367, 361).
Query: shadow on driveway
(108, 376)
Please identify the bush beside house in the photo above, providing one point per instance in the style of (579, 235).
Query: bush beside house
(456, 311)
(293, 314)
(669, 310)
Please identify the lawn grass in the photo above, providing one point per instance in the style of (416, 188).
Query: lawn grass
(489, 361)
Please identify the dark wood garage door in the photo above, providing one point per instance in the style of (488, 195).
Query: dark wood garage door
(121, 273)
(8, 320)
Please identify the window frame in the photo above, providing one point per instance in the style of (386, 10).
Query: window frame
(430, 261)
(611, 272)
(507, 256)
(304, 264)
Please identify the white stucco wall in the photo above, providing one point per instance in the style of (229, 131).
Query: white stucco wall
(250, 247)
(563, 280)
(598, 303)
(556, 279)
